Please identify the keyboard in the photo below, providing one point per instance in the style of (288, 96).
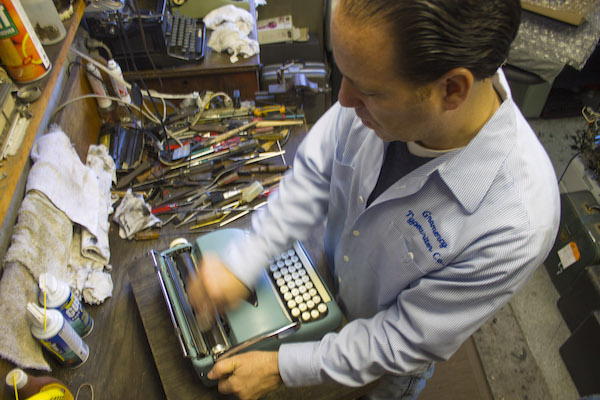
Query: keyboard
(184, 37)
(299, 287)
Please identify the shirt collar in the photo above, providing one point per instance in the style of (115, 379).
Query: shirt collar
(469, 173)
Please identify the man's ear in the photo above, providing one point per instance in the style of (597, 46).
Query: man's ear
(455, 87)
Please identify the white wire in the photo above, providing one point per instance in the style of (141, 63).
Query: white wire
(153, 93)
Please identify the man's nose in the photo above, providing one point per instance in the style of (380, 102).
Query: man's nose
(348, 96)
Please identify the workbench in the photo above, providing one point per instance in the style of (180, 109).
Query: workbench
(122, 362)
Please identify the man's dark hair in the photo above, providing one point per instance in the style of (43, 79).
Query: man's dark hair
(435, 36)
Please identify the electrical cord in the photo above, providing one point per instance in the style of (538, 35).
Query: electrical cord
(128, 85)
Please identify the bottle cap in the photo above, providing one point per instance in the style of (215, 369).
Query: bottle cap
(251, 191)
(48, 283)
(20, 377)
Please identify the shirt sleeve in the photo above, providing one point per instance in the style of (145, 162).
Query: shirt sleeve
(428, 322)
(298, 205)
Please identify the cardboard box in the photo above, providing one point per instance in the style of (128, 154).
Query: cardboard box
(278, 30)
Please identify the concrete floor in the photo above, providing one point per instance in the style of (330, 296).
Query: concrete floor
(519, 346)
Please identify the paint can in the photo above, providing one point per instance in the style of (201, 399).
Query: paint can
(20, 49)
(57, 336)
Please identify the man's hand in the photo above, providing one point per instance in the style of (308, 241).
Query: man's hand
(249, 376)
(214, 284)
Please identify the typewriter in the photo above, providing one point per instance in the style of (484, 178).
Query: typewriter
(290, 303)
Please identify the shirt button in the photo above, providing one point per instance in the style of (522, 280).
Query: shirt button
(346, 258)
(356, 233)
(412, 256)
(340, 280)
(361, 199)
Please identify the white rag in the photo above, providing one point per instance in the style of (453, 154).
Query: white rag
(134, 215)
(241, 18)
(59, 174)
(227, 37)
(96, 247)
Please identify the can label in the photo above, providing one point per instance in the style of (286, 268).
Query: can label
(67, 347)
(20, 49)
(77, 316)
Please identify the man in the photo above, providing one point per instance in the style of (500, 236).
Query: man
(440, 201)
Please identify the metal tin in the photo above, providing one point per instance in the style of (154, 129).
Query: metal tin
(20, 49)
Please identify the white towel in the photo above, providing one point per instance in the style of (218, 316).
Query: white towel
(59, 174)
(134, 215)
(40, 243)
(227, 37)
(96, 247)
(241, 18)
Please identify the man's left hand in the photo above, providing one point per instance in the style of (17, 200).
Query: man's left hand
(248, 375)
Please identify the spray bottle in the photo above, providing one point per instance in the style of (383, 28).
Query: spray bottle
(57, 336)
(28, 385)
(60, 297)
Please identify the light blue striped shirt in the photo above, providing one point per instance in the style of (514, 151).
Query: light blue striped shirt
(429, 261)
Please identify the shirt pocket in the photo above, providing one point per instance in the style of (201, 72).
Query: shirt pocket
(393, 265)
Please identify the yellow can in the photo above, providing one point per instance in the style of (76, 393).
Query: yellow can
(20, 49)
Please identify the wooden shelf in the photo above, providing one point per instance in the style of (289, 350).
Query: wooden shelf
(13, 166)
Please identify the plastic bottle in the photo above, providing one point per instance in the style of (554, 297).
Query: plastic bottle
(45, 20)
(28, 385)
(119, 87)
(58, 336)
(60, 297)
(98, 86)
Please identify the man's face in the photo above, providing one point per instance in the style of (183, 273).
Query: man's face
(392, 107)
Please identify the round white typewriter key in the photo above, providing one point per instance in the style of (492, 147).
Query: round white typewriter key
(284, 289)
(273, 267)
(289, 262)
(295, 312)
(283, 270)
(295, 292)
(306, 296)
(280, 264)
(291, 252)
(291, 304)
(299, 299)
(306, 279)
(292, 270)
(305, 316)
(288, 296)
(287, 277)
(301, 271)
(303, 307)
(316, 299)
(285, 255)
(315, 314)
(277, 257)
(310, 304)
(322, 308)
(291, 284)
(277, 275)
(280, 282)
(302, 288)
(312, 292)
(295, 275)
(295, 258)
(298, 282)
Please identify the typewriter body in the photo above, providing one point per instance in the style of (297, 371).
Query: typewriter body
(290, 303)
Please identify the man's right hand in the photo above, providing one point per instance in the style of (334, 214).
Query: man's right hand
(214, 285)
